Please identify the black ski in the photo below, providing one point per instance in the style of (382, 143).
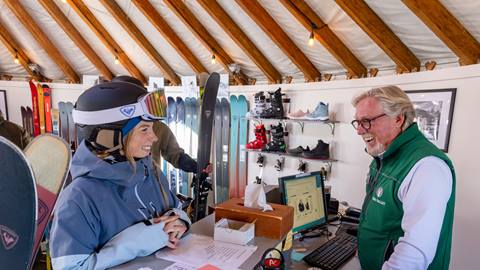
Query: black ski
(200, 184)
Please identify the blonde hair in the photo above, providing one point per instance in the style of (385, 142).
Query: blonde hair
(394, 102)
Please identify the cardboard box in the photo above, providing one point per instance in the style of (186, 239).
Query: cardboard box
(273, 224)
(234, 231)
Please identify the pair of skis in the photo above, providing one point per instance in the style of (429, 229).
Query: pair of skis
(238, 142)
(29, 185)
(65, 124)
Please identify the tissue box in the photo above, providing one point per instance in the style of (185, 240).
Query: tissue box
(272, 224)
(234, 231)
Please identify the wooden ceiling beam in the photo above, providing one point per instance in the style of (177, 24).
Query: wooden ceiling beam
(447, 28)
(87, 16)
(141, 40)
(14, 48)
(162, 26)
(42, 39)
(241, 39)
(270, 27)
(76, 37)
(182, 11)
(380, 33)
(312, 22)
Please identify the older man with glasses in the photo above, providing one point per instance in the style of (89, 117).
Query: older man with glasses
(407, 213)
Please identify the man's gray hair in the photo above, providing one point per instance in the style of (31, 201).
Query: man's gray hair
(393, 100)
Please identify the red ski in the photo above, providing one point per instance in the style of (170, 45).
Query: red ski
(47, 101)
(36, 120)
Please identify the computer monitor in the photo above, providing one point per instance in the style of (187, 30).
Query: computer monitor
(305, 193)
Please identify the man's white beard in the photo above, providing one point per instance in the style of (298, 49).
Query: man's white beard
(377, 150)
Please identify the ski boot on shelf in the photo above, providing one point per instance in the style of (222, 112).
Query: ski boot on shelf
(260, 138)
(260, 104)
(277, 143)
(276, 109)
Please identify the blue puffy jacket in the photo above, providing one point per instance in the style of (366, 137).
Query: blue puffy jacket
(98, 218)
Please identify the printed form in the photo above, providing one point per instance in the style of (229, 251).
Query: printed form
(199, 250)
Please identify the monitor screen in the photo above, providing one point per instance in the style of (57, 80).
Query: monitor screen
(304, 192)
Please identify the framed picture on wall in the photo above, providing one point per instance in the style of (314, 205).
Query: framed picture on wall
(3, 104)
(434, 111)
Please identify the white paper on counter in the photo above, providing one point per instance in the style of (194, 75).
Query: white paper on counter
(199, 250)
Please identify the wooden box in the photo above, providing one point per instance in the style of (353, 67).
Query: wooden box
(272, 224)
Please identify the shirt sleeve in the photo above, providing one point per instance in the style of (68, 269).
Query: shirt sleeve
(424, 194)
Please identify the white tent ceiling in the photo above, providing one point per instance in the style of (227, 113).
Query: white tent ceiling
(411, 30)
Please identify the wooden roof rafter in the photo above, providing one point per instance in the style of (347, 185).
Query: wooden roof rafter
(381, 34)
(241, 39)
(447, 28)
(162, 26)
(137, 35)
(312, 22)
(87, 16)
(182, 11)
(42, 39)
(281, 39)
(76, 37)
(14, 48)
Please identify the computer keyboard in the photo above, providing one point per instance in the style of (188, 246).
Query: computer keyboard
(334, 253)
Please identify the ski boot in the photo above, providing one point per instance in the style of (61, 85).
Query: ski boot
(260, 102)
(277, 144)
(260, 138)
(276, 106)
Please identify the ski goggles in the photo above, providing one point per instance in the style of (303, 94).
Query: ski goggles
(150, 107)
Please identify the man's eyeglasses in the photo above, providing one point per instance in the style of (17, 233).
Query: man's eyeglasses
(365, 123)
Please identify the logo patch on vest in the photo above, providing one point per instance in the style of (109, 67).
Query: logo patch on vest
(128, 110)
(379, 192)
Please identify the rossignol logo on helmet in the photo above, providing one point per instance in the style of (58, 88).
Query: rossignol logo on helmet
(128, 110)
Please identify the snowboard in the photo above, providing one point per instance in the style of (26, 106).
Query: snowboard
(18, 213)
(171, 121)
(36, 121)
(242, 143)
(47, 97)
(207, 110)
(234, 124)
(225, 105)
(50, 176)
(180, 136)
(41, 108)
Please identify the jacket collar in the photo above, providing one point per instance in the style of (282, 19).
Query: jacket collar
(403, 138)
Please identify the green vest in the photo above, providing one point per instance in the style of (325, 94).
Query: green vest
(382, 212)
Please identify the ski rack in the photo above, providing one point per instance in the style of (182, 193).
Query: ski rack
(300, 122)
(328, 162)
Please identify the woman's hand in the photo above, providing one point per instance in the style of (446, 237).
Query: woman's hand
(174, 227)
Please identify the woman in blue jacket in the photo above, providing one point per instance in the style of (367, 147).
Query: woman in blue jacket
(118, 206)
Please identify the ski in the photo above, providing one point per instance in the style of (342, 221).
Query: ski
(207, 111)
(62, 107)
(180, 135)
(41, 108)
(189, 107)
(56, 122)
(23, 111)
(242, 142)
(234, 123)
(49, 177)
(225, 105)
(18, 213)
(217, 125)
(30, 121)
(47, 96)
(36, 121)
(171, 121)
(71, 126)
